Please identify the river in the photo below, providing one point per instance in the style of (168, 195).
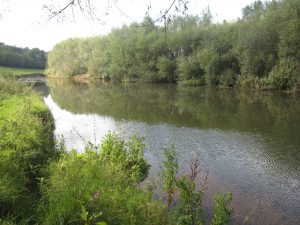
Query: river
(248, 141)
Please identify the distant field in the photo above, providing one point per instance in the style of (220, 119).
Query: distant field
(19, 71)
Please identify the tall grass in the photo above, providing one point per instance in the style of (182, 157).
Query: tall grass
(26, 146)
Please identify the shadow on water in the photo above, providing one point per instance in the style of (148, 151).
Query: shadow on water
(248, 140)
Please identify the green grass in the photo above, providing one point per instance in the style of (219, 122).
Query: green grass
(19, 71)
(26, 146)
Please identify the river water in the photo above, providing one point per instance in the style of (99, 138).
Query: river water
(248, 141)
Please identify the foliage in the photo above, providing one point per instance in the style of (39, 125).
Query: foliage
(126, 156)
(228, 78)
(189, 49)
(189, 209)
(68, 58)
(86, 189)
(26, 146)
(168, 177)
(250, 82)
(284, 76)
(221, 211)
(11, 56)
(190, 198)
(166, 68)
(189, 68)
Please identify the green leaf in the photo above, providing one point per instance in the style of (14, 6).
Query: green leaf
(83, 213)
(101, 223)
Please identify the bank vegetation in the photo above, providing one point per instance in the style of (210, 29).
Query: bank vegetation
(259, 50)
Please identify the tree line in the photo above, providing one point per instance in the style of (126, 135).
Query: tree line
(259, 50)
(11, 56)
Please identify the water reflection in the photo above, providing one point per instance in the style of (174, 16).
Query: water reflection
(249, 141)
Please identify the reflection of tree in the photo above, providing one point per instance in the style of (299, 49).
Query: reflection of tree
(274, 115)
(182, 106)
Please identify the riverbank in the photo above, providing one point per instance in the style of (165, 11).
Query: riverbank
(20, 72)
(31, 78)
(23, 74)
(27, 147)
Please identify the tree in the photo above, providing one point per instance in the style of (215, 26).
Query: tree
(12, 56)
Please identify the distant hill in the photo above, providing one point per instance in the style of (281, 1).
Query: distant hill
(11, 56)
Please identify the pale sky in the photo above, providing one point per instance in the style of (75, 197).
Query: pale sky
(24, 22)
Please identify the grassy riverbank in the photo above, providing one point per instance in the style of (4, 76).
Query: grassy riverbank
(26, 146)
(41, 183)
(12, 72)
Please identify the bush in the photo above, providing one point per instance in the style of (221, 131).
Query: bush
(228, 78)
(84, 187)
(284, 76)
(125, 156)
(250, 82)
(189, 68)
(166, 69)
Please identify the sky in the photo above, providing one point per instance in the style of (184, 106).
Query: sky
(24, 23)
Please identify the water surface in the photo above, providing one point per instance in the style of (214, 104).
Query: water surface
(249, 141)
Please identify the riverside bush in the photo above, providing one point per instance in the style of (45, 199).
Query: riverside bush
(284, 76)
(126, 156)
(251, 82)
(86, 181)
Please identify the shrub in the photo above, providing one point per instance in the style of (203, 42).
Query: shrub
(284, 76)
(126, 156)
(166, 69)
(246, 81)
(221, 211)
(189, 68)
(228, 78)
(84, 184)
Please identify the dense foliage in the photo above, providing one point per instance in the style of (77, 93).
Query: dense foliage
(11, 56)
(260, 50)
(26, 146)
